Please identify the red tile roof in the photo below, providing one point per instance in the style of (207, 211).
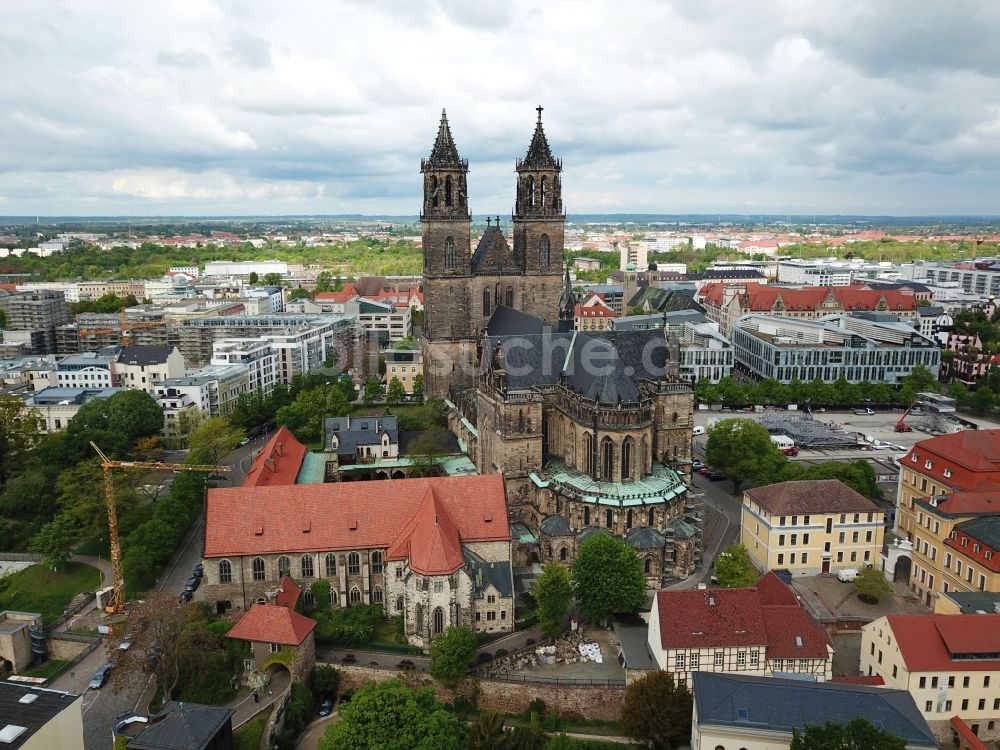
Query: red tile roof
(762, 298)
(288, 592)
(429, 540)
(272, 623)
(278, 463)
(927, 643)
(763, 615)
(971, 456)
(970, 503)
(356, 515)
(811, 496)
(859, 679)
(348, 293)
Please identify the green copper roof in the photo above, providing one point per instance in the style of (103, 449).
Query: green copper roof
(539, 482)
(662, 485)
(453, 465)
(313, 469)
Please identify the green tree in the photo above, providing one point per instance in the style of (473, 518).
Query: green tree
(871, 585)
(135, 414)
(374, 391)
(656, 711)
(214, 438)
(3, 318)
(553, 595)
(859, 734)
(299, 293)
(389, 716)
(254, 278)
(608, 577)
(54, 542)
(18, 435)
(983, 400)
(324, 282)
(305, 415)
(742, 450)
(453, 653)
(395, 392)
(320, 589)
(325, 680)
(418, 386)
(272, 279)
(486, 732)
(733, 568)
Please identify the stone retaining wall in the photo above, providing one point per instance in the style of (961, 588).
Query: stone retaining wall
(498, 695)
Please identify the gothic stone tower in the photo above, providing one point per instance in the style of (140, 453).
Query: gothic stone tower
(461, 288)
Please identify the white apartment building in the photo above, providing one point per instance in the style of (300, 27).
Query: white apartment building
(271, 297)
(382, 321)
(87, 370)
(214, 388)
(245, 268)
(55, 407)
(143, 367)
(258, 355)
(68, 288)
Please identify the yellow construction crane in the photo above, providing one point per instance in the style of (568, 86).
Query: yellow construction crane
(117, 603)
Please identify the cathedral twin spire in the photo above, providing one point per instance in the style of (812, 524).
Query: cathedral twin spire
(444, 155)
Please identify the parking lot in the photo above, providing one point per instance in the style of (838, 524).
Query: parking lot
(829, 598)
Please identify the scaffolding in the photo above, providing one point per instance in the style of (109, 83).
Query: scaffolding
(808, 432)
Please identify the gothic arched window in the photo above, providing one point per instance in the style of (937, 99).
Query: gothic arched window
(531, 192)
(628, 520)
(353, 564)
(609, 518)
(543, 251)
(331, 565)
(307, 566)
(588, 452)
(377, 595)
(355, 595)
(607, 459)
(650, 517)
(648, 566)
(627, 458)
(447, 191)
(258, 568)
(434, 191)
(541, 193)
(438, 620)
(450, 256)
(225, 571)
(562, 553)
(377, 561)
(399, 604)
(284, 566)
(486, 303)
(510, 297)
(586, 516)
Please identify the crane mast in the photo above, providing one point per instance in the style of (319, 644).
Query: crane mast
(117, 602)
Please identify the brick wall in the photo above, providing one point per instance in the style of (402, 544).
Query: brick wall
(508, 697)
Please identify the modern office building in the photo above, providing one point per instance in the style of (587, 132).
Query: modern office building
(872, 348)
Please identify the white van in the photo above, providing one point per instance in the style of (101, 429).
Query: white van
(847, 574)
(698, 430)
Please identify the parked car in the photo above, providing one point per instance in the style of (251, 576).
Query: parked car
(326, 707)
(186, 596)
(129, 717)
(864, 412)
(879, 445)
(847, 574)
(715, 476)
(705, 470)
(100, 677)
(349, 659)
(199, 571)
(192, 583)
(696, 465)
(407, 664)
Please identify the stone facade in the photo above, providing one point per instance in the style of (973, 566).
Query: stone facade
(299, 660)
(462, 287)
(575, 464)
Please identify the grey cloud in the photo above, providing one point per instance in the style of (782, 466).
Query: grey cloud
(250, 49)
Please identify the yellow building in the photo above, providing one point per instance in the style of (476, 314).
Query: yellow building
(405, 364)
(811, 527)
(950, 664)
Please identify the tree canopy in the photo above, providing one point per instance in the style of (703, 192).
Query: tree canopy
(742, 450)
(871, 584)
(608, 577)
(656, 711)
(859, 734)
(733, 568)
(553, 595)
(453, 653)
(390, 716)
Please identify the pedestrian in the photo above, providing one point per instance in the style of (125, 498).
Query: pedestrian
(270, 692)
(256, 698)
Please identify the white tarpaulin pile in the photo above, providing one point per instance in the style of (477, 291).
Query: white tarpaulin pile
(591, 651)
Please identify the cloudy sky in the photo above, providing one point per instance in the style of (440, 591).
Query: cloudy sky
(287, 107)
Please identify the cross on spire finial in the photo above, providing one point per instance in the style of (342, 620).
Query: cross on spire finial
(539, 109)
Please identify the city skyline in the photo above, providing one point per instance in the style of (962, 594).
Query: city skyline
(766, 108)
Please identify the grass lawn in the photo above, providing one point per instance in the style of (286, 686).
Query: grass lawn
(47, 669)
(37, 589)
(247, 737)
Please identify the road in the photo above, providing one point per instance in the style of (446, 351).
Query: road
(101, 707)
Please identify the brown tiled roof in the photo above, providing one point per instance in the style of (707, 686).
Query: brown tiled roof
(810, 496)
(278, 463)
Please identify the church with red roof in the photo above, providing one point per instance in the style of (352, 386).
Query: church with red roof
(436, 551)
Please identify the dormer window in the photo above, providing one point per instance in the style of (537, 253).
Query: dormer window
(928, 464)
(913, 458)
(947, 473)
